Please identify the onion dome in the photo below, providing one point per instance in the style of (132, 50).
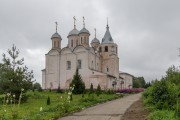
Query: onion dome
(95, 40)
(84, 30)
(73, 32)
(56, 35)
(107, 37)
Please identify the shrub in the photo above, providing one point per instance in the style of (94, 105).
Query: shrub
(59, 90)
(98, 90)
(163, 94)
(48, 101)
(91, 88)
(162, 115)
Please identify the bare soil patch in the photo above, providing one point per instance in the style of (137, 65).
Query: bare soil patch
(136, 111)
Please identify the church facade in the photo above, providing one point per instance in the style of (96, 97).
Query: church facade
(98, 62)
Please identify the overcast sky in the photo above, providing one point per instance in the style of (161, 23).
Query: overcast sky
(147, 31)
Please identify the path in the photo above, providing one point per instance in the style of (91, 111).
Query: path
(112, 110)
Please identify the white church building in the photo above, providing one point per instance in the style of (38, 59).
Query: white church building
(98, 62)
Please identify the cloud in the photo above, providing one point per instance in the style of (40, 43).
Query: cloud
(147, 32)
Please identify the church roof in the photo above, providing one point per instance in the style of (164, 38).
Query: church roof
(107, 37)
(56, 35)
(95, 40)
(84, 30)
(73, 32)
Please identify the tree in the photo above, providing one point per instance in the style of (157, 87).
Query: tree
(37, 86)
(77, 83)
(139, 82)
(48, 101)
(173, 75)
(98, 91)
(91, 88)
(13, 75)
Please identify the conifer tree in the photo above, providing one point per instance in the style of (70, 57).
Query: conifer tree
(77, 83)
(14, 76)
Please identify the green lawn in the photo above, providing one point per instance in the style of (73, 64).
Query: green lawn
(37, 109)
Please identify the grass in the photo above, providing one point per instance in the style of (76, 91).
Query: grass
(37, 109)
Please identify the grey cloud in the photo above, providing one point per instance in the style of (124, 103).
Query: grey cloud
(147, 32)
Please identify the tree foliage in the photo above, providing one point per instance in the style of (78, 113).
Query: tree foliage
(79, 86)
(98, 90)
(139, 82)
(13, 75)
(37, 86)
(165, 93)
(91, 88)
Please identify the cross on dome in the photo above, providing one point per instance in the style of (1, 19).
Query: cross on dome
(83, 22)
(95, 32)
(56, 25)
(74, 22)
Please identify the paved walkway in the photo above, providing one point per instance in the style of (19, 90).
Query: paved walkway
(112, 110)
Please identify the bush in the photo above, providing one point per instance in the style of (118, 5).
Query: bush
(162, 115)
(98, 90)
(48, 101)
(163, 94)
(91, 89)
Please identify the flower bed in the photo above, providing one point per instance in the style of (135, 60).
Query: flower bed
(131, 90)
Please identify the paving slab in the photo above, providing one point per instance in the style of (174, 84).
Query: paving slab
(112, 110)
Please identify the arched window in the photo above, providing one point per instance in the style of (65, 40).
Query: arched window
(68, 65)
(58, 44)
(84, 39)
(71, 43)
(81, 40)
(54, 43)
(79, 64)
(107, 69)
(106, 48)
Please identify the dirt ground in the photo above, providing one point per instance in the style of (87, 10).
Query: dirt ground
(136, 112)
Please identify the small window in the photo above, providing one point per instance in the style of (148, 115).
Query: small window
(79, 64)
(116, 49)
(81, 40)
(54, 43)
(68, 65)
(107, 69)
(71, 43)
(58, 44)
(106, 48)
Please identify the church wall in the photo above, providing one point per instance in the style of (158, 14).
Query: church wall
(52, 68)
(127, 80)
(43, 79)
(67, 75)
